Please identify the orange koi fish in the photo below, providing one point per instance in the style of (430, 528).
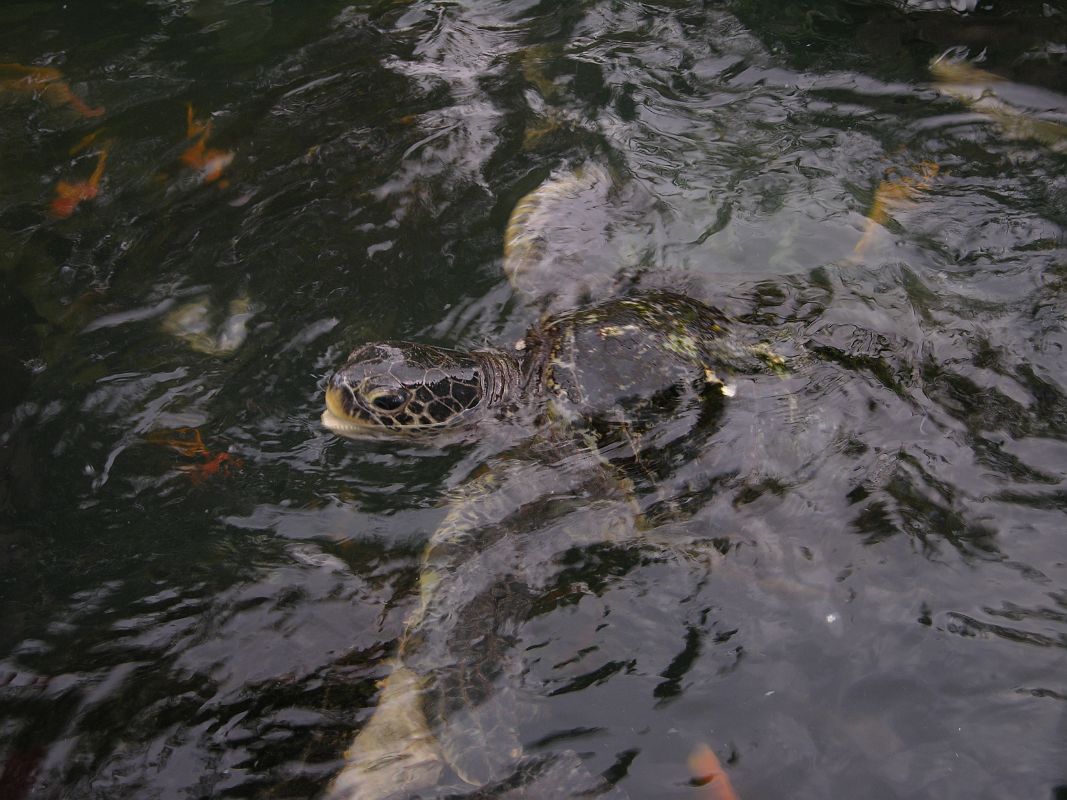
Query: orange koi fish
(708, 773)
(894, 194)
(186, 441)
(46, 82)
(222, 464)
(208, 162)
(70, 195)
(84, 142)
(190, 444)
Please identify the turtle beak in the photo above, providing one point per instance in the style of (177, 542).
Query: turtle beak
(335, 402)
(336, 418)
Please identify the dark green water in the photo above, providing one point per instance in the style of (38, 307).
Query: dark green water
(867, 593)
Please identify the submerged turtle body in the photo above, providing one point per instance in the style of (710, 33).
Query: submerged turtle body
(594, 383)
(613, 393)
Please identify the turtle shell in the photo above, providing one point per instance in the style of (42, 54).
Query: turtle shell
(633, 361)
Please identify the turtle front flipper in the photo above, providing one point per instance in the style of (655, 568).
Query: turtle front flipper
(461, 638)
(451, 707)
(438, 706)
(547, 255)
(395, 753)
(475, 694)
(481, 583)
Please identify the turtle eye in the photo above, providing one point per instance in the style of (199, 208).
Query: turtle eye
(390, 399)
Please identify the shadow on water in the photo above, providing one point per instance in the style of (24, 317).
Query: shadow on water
(849, 582)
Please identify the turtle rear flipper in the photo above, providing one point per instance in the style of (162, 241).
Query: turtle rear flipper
(558, 777)
(395, 754)
(481, 742)
(547, 254)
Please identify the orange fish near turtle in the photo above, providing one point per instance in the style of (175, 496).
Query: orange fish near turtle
(46, 83)
(223, 464)
(209, 162)
(70, 195)
(709, 774)
(189, 443)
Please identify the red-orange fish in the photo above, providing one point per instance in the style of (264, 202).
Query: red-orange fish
(223, 464)
(45, 82)
(708, 773)
(70, 195)
(190, 444)
(85, 142)
(207, 161)
(186, 441)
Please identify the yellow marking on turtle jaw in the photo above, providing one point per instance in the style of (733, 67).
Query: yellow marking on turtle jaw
(341, 422)
(339, 426)
(337, 419)
(336, 407)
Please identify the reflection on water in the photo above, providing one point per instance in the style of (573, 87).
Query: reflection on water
(853, 585)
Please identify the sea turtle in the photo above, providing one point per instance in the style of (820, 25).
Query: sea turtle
(614, 381)
(607, 392)
(603, 366)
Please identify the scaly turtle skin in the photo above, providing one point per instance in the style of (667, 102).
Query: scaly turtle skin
(591, 379)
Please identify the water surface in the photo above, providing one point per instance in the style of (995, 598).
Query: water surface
(864, 593)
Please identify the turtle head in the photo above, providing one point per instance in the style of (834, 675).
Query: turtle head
(401, 386)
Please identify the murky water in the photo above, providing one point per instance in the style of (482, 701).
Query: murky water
(860, 589)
